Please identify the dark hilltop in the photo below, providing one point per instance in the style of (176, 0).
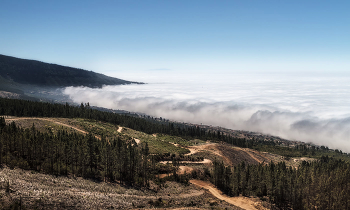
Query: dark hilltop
(23, 78)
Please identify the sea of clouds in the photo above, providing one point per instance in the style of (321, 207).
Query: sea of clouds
(307, 108)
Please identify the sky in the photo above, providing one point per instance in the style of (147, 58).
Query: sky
(180, 36)
(273, 66)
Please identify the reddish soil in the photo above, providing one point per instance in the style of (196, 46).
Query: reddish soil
(236, 155)
(182, 170)
(212, 148)
(242, 202)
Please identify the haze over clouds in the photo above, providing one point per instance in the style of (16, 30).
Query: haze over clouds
(310, 109)
(190, 53)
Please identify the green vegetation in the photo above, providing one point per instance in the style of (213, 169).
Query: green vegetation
(163, 129)
(302, 151)
(319, 184)
(102, 129)
(160, 147)
(159, 144)
(76, 154)
(177, 140)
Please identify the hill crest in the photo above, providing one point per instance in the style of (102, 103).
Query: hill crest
(32, 72)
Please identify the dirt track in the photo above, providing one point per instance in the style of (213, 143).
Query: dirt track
(242, 202)
(209, 148)
(254, 154)
(50, 120)
(182, 170)
(137, 141)
(189, 162)
(120, 129)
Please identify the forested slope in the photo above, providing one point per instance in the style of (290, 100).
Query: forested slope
(149, 125)
(321, 184)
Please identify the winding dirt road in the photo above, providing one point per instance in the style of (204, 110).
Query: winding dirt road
(242, 202)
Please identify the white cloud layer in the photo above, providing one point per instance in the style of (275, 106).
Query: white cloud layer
(293, 107)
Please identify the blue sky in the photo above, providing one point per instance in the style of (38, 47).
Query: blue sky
(181, 36)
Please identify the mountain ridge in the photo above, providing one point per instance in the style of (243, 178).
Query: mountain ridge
(38, 73)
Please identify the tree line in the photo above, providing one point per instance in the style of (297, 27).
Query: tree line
(150, 125)
(75, 154)
(321, 184)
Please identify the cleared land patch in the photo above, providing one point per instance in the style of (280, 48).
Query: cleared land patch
(41, 191)
(242, 202)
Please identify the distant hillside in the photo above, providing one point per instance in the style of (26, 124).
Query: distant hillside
(31, 72)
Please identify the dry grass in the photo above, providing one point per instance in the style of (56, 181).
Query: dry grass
(290, 162)
(41, 191)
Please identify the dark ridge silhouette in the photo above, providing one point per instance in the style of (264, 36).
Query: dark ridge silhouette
(31, 72)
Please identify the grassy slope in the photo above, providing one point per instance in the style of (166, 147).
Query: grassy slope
(158, 144)
(291, 152)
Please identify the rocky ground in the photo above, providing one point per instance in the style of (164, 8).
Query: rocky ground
(34, 190)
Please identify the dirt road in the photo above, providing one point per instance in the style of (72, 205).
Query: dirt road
(193, 162)
(182, 170)
(138, 141)
(209, 148)
(120, 129)
(50, 120)
(242, 202)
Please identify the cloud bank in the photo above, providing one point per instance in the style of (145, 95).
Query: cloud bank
(306, 111)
